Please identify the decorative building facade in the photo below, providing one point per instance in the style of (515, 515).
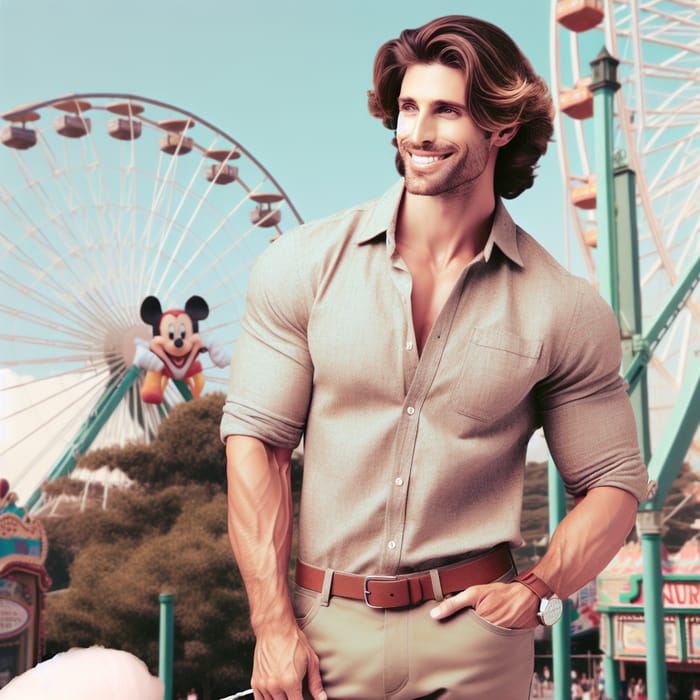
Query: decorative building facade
(23, 585)
(621, 606)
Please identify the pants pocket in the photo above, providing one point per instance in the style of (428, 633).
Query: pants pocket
(493, 628)
(306, 604)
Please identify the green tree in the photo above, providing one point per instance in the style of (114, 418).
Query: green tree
(188, 447)
(681, 508)
(145, 544)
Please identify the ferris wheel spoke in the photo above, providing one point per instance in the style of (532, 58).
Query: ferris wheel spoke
(79, 205)
(61, 287)
(89, 392)
(159, 181)
(29, 407)
(184, 198)
(48, 322)
(36, 232)
(205, 273)
(63, 428)
(46, 302)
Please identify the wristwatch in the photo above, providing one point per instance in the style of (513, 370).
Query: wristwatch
(551, 606)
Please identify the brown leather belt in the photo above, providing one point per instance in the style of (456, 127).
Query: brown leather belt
(409, 589)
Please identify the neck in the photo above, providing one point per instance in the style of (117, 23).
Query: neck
(446, 228)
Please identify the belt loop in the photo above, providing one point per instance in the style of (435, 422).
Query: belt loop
(326, 587)
(437, 586)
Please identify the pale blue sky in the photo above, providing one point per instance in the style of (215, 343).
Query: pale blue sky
(285, 79)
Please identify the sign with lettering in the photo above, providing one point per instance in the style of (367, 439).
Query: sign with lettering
(677, 594)
(681, 594)
(14, 617)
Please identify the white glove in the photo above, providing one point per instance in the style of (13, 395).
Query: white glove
(144, 358)
(217, 352)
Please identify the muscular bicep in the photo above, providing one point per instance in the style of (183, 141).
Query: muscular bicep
(271, 372)
(584, 408)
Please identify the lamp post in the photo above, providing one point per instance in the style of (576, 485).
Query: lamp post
(165, 649)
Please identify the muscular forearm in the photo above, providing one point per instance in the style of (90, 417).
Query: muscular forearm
(587, 539)
(260, 530)
(260, 525)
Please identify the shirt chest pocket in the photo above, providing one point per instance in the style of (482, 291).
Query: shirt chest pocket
(496, 373)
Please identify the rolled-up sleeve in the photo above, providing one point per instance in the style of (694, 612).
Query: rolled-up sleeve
(271, 371)
(585, 411)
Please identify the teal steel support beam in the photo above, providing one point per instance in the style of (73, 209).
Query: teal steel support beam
(603, 86)
(676, 438)
(184, 389)
(681, 291)
(166, 643)
(630, 310)
(561, 632)
(88, 431)
(611, 668)
(649, 526)
(663, 468)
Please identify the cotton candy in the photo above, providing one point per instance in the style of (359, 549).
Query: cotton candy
(95, 673)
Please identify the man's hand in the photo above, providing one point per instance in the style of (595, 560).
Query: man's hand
(509, 605)
(281, 660)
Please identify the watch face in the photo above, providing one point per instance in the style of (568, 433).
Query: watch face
(550, 611)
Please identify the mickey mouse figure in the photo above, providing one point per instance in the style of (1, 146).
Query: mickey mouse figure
(175, 347)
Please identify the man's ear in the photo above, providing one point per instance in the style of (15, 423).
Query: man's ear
(505, 135)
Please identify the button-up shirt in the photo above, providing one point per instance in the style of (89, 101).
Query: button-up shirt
(414, 460)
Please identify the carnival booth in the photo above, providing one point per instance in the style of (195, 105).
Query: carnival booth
(23, 584)
(621, 606)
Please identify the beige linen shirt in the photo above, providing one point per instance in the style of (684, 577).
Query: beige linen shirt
(411, 461)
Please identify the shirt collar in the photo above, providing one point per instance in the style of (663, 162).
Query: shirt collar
(382, 220)
(504, 235)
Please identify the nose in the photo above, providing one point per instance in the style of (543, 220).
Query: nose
(178, 342)
(419, 128)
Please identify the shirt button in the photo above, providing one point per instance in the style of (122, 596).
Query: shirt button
(391, 544)
(398, 481)
(410, 410)
(409, 345)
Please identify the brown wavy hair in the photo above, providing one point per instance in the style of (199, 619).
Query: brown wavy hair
(503, 89)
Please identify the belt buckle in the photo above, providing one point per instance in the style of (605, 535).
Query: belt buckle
(366, 592)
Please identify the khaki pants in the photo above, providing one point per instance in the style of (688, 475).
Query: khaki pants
(404, 654)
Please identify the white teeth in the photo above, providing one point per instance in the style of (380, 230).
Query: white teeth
(424, 160)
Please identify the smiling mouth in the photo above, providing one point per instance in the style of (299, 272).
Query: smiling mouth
(427, 160)
(177, 362)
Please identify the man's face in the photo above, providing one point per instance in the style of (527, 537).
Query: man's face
(442, 149)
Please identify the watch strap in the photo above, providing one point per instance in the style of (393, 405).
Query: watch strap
(535, 584)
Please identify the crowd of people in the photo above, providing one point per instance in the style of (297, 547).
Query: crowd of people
(592, 687)
(583, 687)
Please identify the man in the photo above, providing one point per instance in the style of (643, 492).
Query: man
(417, 342)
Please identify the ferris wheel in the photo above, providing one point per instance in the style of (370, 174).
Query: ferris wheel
(657, 131)
(108, 199)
